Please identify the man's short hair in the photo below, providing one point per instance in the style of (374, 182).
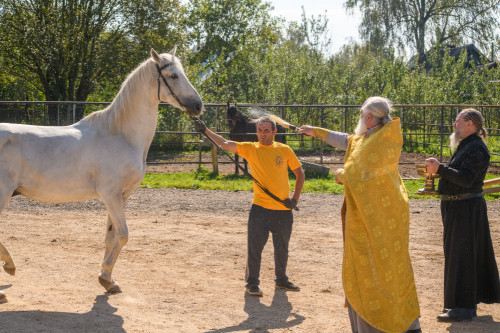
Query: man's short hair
(378, 107)
(266, 119)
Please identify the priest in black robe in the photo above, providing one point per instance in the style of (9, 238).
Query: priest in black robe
(470, 268)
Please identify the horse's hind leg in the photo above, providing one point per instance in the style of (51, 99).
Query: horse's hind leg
(8, 265)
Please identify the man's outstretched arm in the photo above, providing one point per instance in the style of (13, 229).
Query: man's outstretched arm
(223, 143)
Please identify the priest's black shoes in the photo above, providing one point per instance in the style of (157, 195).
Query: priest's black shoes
(457, 314)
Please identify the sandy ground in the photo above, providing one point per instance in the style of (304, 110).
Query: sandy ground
(183, 267)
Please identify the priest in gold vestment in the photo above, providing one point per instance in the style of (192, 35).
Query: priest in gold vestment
(377, 273)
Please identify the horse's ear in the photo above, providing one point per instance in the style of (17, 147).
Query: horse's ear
(155, 56)
(172, 52)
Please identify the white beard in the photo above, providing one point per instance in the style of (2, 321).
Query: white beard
(455, 139)
(361, 127)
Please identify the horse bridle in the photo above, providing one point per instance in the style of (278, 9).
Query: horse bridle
(166, 83)
(233, 121)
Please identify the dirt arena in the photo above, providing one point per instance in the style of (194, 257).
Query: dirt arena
(183, 267)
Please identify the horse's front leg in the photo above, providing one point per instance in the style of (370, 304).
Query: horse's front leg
(8, 265)
(116, 238)
(236, 162)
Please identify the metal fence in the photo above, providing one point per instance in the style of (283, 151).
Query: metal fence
(424, 126)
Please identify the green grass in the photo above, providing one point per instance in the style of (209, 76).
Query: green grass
(203, 179)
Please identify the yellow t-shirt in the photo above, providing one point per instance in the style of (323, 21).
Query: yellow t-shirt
(269, 166)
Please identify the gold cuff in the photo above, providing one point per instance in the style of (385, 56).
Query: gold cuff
(321, 133)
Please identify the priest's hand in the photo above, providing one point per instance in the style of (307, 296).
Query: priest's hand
(338, 176)
(432, 165)
(306, 130)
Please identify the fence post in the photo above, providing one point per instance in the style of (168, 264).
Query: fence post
(342, 120)
(321, 143)
(401, 118)
(215, 162)
(200, 144)
(216, 120)
(442, 129)
(74, 113)
(424, 131)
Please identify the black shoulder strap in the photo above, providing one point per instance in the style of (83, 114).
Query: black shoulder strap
(269, 193)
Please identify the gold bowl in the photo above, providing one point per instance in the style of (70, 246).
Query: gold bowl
(429, 188)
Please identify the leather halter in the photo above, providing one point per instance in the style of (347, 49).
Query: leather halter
(235, 120)
(159, 69)
(232, 121)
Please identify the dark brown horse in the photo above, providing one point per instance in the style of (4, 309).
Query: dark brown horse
(244, 129)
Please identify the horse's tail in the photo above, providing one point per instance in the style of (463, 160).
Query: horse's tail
(8, 265)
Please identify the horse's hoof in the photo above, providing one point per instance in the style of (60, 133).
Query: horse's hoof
(114, 289)
(110, 286)
(3, 298)
(8, 269)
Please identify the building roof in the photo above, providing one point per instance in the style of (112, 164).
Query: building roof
(473, 56)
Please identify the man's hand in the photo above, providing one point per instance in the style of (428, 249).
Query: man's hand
(199, 126)
(290, 203)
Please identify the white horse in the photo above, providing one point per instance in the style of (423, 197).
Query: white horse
(101, 156)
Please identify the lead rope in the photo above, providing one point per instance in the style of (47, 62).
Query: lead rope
(248, 174)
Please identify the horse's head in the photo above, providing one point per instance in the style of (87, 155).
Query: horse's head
(232, 115)
(173, 84)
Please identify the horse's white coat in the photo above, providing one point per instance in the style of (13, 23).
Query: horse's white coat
(101, 156)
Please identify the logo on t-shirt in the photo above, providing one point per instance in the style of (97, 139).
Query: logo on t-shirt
(279, 160)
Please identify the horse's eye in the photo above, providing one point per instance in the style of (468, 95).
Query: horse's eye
(175, 76)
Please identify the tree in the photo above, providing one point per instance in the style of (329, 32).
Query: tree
(222, 26)
(65, 48)
(421, 23)
(224, 35)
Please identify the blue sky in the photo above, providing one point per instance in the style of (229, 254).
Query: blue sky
(342, 26)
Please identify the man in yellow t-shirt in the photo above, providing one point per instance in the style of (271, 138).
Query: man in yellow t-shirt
(269, 162)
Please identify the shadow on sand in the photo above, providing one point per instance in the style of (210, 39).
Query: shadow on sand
(483, 324)
(100, 318)
(262, 318)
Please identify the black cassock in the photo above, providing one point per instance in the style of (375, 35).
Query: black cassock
(470, 269)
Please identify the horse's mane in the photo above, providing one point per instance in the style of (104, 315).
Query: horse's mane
(114, 118)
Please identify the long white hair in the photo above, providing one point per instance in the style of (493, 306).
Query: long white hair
(378, 107)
